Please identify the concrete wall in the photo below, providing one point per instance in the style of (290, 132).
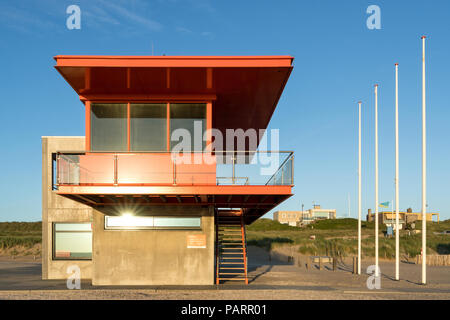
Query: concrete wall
(154, 257)
(56, 208)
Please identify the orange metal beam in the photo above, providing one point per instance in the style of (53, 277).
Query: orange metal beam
(173, 61)
(128, 127)
(209, 126)
(168, 126)
(148, 97)
(178, 190)
(88, 125)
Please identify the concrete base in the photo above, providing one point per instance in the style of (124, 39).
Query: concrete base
(56, 208)
(153, 257)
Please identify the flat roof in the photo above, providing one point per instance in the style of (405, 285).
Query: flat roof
(245, 89)
(173, 61)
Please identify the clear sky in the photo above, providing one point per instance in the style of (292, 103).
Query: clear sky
(337, 62)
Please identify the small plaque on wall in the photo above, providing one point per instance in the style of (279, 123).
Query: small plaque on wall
(196, 241)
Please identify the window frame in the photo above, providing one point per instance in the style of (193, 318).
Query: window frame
(127, 121)
(139, 228)
(128, 101)
(54, 238)
(203, 143)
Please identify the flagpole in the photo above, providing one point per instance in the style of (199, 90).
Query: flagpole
(424, 172)
(397, 231)
(359, 187)
(376, 180)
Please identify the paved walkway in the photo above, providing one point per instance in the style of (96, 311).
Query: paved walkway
(270, 278)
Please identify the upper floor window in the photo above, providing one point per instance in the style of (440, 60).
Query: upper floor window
(108, 127)
(148, 127)
(145, 127)
(192, 118)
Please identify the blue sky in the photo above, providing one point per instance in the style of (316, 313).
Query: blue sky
(337, 62)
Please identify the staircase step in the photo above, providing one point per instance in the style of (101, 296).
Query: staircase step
(232, 246)
(233, 236)
(232, 233)
(240, 253)
(231, 249)
(233, 242)
(232, 227)
(231, 273)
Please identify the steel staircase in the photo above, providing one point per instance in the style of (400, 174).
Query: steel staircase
(231, 247)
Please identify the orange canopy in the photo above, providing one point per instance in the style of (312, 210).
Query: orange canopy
(245, 89)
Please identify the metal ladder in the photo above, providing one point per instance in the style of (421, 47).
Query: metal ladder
(231, 247)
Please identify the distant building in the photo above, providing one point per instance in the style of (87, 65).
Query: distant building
(289, 217)
(300, 218)
(388, 217)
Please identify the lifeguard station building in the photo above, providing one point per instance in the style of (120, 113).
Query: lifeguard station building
(120, 205)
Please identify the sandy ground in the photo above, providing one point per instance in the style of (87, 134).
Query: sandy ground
(270, 278)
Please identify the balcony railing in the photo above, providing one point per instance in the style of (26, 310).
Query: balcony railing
(166, 168)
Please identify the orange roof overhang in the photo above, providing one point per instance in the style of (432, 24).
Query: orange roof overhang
(245, 89)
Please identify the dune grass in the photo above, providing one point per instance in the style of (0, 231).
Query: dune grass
(339, 238)
(332, 237)
(24, 234)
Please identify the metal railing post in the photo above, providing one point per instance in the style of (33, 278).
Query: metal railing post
(69, 169)
(233, 164)
(292, 169)
(115, 170)
(174, 173)
(58, 168)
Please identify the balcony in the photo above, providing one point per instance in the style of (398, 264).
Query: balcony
(257, 180)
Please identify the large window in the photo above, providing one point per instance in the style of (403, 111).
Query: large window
(109, 127)
(143, 126)
(72, 241)
(148, 127)
(128, 222)
(191, 117)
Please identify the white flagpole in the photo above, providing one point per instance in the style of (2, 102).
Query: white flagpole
(397, 231)
(424, 172)
(359, 187)
(376, 180)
